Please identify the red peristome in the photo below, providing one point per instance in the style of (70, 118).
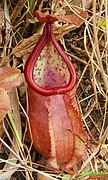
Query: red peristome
(45, 38)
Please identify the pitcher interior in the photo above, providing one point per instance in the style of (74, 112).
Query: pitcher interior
(50, 70)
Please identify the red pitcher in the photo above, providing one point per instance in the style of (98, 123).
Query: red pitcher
(55, 122)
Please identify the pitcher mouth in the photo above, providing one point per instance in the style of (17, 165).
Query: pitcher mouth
(46, 74)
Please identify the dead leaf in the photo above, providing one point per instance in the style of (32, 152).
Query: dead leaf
(87, 3)
(76, 19)
(45, 177)
(9, 78)
(1, 26)
(4, 103)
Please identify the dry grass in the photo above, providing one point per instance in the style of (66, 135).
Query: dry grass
(91, 62)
